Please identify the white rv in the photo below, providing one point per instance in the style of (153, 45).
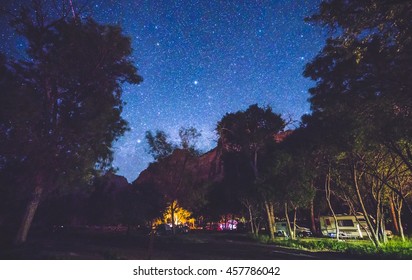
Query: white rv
(350, 226)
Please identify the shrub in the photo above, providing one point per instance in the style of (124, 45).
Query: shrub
(393, 249)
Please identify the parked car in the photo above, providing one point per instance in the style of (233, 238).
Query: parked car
(281, 233)
(303, 231)
(342, 235)
(182, 229)
(282, 230)
(163, 229)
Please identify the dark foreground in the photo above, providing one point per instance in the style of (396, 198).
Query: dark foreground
(118, 245)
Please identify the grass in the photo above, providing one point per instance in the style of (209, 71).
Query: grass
(394, 249)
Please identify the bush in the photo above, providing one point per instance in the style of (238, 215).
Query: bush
(394, 249)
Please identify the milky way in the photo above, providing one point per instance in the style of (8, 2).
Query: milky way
(202, 59)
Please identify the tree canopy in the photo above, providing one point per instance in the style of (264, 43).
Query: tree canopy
(248, 135)
(173, 174)
(362, 102)
(61, 106)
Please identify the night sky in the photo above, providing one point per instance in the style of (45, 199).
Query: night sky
(202, 59)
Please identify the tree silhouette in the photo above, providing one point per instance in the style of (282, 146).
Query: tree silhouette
(62, 107)
(248, 134)
(362, 98)
(173, 174)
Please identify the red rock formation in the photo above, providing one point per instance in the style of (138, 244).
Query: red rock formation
(282, 135)
(210, 166)
(207, 168)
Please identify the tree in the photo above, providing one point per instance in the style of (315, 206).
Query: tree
(151, 203)
(234, 190)
(362, 96)
(298, 190)
(248, 133)
(181, 215)
(159, 147)
(287, 174)
(365, 64)
(308, 164)
(69, 89)
(173, 173)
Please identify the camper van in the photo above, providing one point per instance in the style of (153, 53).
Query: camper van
(350, 226)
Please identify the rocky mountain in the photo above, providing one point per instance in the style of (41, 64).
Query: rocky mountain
(206, 168)
(113, 183)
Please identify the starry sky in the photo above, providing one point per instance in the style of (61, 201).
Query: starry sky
(201, 59)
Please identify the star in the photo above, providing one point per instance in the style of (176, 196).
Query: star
(245, 52)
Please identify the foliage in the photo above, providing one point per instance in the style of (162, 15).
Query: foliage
(249, 131)
(174, 178)
(74, 74)
(150, 201)
(245, 137)
(61, 106)
(363, 73)
(182, 216)
(173, 174)
(394, 249)
(188, 138)
(159, 147)
(361, 102)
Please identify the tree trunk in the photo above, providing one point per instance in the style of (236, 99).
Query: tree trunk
(380, 216)
(294, 223)
(257, 227)
(394, 219)
(288, 221)
(252, 227)
(328, 195)
(270, 216)
(397, 203)
(375, 238)
(312, 217)
(254, 164)
(399, 212)
(172, 212)
(383, 229)
(151, 241)
(30, 211)
(252, 220)
(336, 225)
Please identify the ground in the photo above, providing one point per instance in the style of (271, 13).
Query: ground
(95, 244)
